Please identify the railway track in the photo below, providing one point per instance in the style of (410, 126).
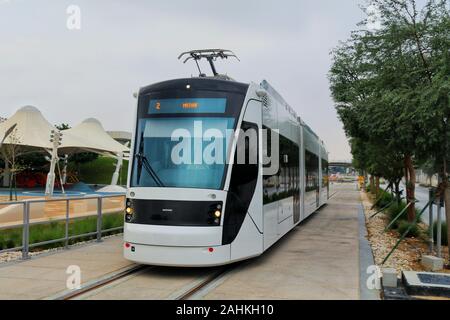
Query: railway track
(209, 280)
(102, 284)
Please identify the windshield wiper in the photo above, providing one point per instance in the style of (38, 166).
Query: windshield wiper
(143, 162)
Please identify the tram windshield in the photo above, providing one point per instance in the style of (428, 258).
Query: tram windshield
(183, 144)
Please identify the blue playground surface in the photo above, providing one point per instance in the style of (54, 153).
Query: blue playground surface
(76, 190)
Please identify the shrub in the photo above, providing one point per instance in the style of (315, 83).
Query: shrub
(404, 225)
(10, 238)
(394, 209)
(443, 233)
(99, 171)
(385, 199)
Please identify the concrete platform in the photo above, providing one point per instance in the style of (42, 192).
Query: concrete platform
(44, 276)
(320, 259)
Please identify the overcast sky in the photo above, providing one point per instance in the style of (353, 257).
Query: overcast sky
(122, 45)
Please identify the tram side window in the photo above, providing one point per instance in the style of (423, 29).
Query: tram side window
(324, 173)
(270, 182)
(289, 162)
(285, 183)
(284, 168)
(312, 171)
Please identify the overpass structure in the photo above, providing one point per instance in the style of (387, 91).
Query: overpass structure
(341, 163)
(341, 167)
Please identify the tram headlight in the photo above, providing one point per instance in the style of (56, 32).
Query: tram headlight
(128, 217)
(214, 213)
(128, 210)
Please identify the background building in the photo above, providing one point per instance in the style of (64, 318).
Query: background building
(123, 137)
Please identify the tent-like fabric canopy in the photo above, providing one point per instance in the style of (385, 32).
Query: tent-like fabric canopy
(33, 130)
(89, 135)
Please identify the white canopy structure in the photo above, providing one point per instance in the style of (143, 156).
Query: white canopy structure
(31, 130)
(95, 139)
(90, 136)
(34, 131)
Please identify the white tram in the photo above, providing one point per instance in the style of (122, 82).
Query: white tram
(192, 199)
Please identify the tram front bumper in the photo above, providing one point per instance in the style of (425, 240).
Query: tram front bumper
(177, 256)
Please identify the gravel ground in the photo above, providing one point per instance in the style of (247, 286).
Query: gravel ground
(16, 255)
(408, 255)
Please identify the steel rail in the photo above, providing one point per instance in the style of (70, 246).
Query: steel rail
(207, 281)
(109, 279)
(96, 284)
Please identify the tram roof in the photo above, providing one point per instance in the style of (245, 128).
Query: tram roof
(202, 83)
(272, 91)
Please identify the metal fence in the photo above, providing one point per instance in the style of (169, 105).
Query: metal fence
(26, 245)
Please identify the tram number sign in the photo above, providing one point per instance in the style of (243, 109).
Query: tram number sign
(194, 105)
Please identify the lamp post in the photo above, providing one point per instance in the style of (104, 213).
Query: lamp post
(55, 139)
(115, 177)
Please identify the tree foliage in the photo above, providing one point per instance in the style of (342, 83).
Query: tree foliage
(391, 88)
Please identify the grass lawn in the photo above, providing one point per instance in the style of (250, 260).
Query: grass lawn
(11, 238)
(100, 171)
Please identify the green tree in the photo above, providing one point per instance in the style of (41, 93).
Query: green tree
(379, 80)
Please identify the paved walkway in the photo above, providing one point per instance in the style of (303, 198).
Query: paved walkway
(44, 276)
(320, 259)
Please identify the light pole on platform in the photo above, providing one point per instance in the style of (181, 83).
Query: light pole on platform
(55, 139)
(115, 177)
